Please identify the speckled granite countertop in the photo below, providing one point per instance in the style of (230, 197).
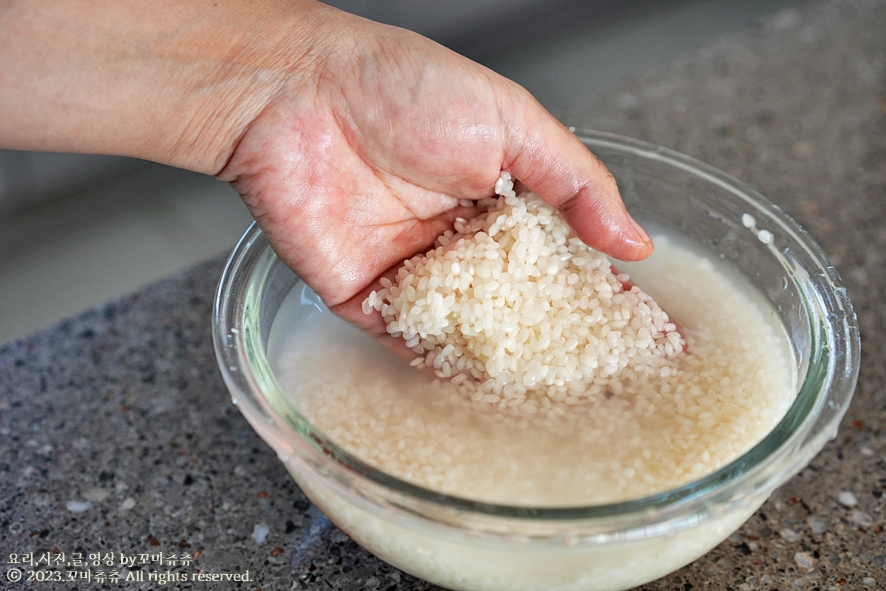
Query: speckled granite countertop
(117, 433)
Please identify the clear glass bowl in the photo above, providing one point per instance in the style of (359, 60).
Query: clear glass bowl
(462, 544)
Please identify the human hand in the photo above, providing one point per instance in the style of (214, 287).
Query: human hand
(361, 159)
(351, 142)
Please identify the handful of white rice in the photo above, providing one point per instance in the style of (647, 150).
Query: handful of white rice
(513, 303)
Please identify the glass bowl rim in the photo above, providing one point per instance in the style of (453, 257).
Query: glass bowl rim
(761, 468)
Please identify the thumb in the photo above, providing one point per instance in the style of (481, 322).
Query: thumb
(555, 165)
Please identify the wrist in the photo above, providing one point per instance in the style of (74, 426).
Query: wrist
(174, 82)
(229, 66)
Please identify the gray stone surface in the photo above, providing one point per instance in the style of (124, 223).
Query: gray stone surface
(117, 434)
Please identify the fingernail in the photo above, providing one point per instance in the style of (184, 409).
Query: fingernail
(641, 233)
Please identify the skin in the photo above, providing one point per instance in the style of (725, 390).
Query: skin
(352, 143)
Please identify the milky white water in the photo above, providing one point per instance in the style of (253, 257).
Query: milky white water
(728, 392)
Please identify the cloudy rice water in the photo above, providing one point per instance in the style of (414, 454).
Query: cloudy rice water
(542, 376)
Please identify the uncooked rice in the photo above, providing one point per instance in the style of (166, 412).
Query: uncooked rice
(640, 433)
(512, 306)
